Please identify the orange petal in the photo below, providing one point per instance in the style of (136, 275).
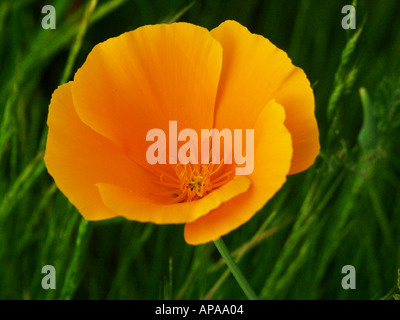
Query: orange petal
(77, 158)
(255, 71)
(129, 204)
(273, 153)
(142, 79)
(297, 97)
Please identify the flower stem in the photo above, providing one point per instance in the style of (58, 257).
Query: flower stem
(233, 267)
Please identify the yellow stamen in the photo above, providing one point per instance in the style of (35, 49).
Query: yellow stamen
(194, 181)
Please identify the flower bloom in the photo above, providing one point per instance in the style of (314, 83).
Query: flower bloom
(140, 80)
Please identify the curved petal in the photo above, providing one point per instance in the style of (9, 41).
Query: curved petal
(145, 78)
(272, 156)
(77, 158)
(298, 99)
(255, 71)
(129, 204)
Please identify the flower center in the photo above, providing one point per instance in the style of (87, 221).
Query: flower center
(194, 181)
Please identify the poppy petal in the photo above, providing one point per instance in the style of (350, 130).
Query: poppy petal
(255, 71)
(297, 97)
(78, 157)
(272, 156)
(132, 206)
(145, 78)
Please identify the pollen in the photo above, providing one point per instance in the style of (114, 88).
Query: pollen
(194, 181)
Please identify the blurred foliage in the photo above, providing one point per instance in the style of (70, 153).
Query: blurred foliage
(344, 210)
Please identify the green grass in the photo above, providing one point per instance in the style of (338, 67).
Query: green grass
(345, 210)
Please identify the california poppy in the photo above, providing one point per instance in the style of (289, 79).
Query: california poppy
(223, 78)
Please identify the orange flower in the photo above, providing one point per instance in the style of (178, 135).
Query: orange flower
(224, 78)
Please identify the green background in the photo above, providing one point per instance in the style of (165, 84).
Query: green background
(345, 210)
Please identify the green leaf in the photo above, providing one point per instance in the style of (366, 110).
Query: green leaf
(368, 137)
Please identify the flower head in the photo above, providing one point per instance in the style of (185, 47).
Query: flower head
(226, 78)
